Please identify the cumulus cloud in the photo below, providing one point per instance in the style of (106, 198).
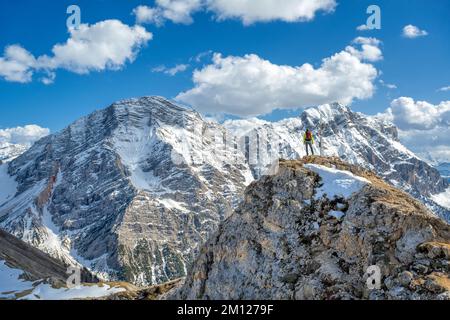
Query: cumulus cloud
(423, 126)
(443, 89)
(145, 14)
(251, 86)
(408, 114)
(26, 135)
(106, 45)
(412, 32)
(370, 50)
(248, 11)
(177, 11)
(171, 71)
(17, 64)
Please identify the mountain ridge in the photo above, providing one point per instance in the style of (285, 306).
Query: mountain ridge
(132, 190)
(301, 234)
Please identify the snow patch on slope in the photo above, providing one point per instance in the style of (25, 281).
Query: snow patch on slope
(243, 126)
(46, 292)
(8, 185)
(172, 204)
(10, 151)
(337, 183)
(10, 282)
(11, 285)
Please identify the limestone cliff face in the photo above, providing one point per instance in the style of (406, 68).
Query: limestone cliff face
(299, 234)
(106, 193)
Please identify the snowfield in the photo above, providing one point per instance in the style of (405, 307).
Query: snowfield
(10, 282)
(11, 285)
(46, 292)
(8, 185)
(337, 183)
(10, 151)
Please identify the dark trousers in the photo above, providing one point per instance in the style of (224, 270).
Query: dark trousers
(309, 143)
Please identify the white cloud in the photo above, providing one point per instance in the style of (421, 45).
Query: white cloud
(412, 32)
(145, 14)
(250, 85)
(17, 64)
(171, 71)
(177, 11)
(363, 27)
(199, 57)
(248, 11)
(106, 45)
(49, 78)
(423, 127)
(388, 85)
(26, 135)
(370, 49)
(408, 114)
(367, 41)
(443, 89)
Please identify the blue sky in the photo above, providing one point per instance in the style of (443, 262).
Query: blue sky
(418, 67)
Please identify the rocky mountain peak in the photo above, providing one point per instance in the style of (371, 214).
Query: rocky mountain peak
(312, 230)
(155, 109)
(327, 111)
(107, 193)
(132, 190)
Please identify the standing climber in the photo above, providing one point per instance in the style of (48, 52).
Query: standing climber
(308, 140)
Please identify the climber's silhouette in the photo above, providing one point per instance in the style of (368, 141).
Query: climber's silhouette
(308, 140)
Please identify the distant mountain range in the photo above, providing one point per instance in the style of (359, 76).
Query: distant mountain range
(133, 190)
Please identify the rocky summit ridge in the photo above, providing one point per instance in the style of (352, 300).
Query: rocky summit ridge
(131, 191)
(312, 230)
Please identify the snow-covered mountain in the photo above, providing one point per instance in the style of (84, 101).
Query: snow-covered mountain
(356, 138)
(10, 151)
(105, 192)
(131, 191)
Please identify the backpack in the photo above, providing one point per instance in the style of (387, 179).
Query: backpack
(308, 135)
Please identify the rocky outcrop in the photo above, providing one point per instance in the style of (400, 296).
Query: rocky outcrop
(297, 236)
(155, 292)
